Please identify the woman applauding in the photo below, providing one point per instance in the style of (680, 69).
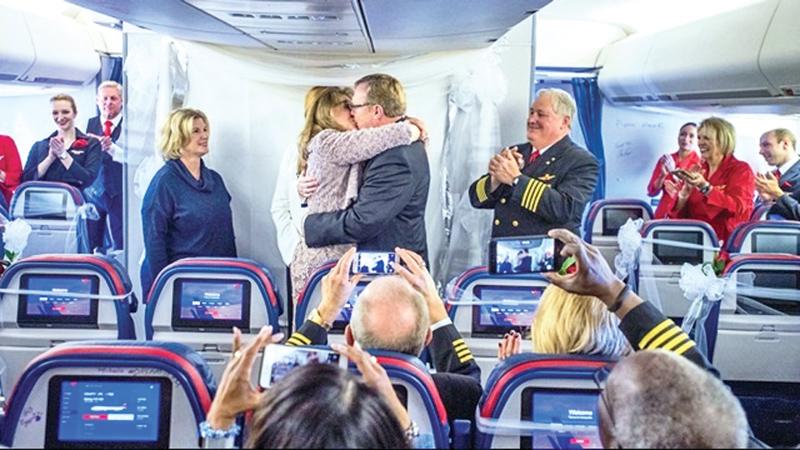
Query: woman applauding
(685, 158)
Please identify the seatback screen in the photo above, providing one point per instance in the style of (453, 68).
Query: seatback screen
(615, 218)
(106, 412)
(776, 243)
(672, 255)
(215, 304)
(571, 414)
(493, 317)
(54, 306)
(45, 205)
(347, 310)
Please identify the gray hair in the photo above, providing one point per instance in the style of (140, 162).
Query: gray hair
(370, 331)
(658, 399)
(563, 103)
(110, 84)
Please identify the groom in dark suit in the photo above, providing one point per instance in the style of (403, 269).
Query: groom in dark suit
(782, 185)
(390, 209)
(107, 188)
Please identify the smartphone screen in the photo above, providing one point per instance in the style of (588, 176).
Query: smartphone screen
(680, 173)
(521, 255)
(374, 263)
(279, 360)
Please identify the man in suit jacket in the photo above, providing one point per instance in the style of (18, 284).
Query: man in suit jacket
(108, 127)
(779, 149)
(390, 209)
(544, 183)
(403, 314)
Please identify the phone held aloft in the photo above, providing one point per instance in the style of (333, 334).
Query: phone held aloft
(279, 360)
(374, 263)
(524, 255)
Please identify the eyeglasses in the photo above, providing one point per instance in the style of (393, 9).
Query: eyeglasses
(354, 106)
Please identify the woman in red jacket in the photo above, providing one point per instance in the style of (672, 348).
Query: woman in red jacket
(685, 158)
(720, 190)
(10, 167)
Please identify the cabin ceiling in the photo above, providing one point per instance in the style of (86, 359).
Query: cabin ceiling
(390, 27)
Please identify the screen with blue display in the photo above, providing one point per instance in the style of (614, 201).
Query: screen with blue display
(108, 412)
(347, 310)
(202, 303)
(54, 305)
(572, 414)
(503, 308)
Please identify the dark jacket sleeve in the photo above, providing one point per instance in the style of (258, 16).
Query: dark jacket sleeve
(567, 200)
(480, 194)
(451, 354)
(308, 334)
(389, 184)
(788, 206)
(31, 171)
(646, 328)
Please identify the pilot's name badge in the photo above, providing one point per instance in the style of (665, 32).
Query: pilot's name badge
(547, 177)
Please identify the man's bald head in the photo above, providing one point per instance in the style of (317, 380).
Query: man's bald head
(391, 315)
(656, 399)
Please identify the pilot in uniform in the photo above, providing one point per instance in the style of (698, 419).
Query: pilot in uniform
(551, 191)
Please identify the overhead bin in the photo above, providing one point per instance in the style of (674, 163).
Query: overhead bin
(34, 50)
(746, 55)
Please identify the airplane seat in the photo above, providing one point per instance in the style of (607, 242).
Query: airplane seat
(4, 218)
(197, 301)
(110, 394)
(766, 236)
(311, 296)
(542, 401)
(483, 323)
(55, 212)
(757, 346)
(418, 393)
(760, 212)
(38, 312)
(605, 218)
(660, 265)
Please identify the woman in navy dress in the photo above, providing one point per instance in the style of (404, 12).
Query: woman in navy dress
(68, 155)
(186, 211)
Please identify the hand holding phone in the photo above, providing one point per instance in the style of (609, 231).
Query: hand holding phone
(279, 360)
(374, 263)
(527, 254)
(680, 173)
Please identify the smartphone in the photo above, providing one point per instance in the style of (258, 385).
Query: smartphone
(374, 263)
(525, 254)
(680, 173)
(279, 360)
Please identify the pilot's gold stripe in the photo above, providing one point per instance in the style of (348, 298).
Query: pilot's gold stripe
(538, 197)
(684, 348)
(480, 189)
(460, 347)
(654, 332)
(292, 342)
(466, 358)
(676, 342)
(458, 341)
(301, 338)
(537, 192)
(669, 334)
(463, 352)
(526, 195)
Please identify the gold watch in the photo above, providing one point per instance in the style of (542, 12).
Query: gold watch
(315, 317)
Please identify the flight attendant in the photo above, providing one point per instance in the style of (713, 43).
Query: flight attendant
(10, 167)
(720, 190)
(685, 158)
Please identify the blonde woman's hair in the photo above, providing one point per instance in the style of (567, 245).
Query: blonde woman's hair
(722, 132)
(65, 98)
(566, 323)
(177, 131)
(319, 116)
(386, 91)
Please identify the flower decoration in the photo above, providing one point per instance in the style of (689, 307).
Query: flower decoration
(80, 143)
(15, 239)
